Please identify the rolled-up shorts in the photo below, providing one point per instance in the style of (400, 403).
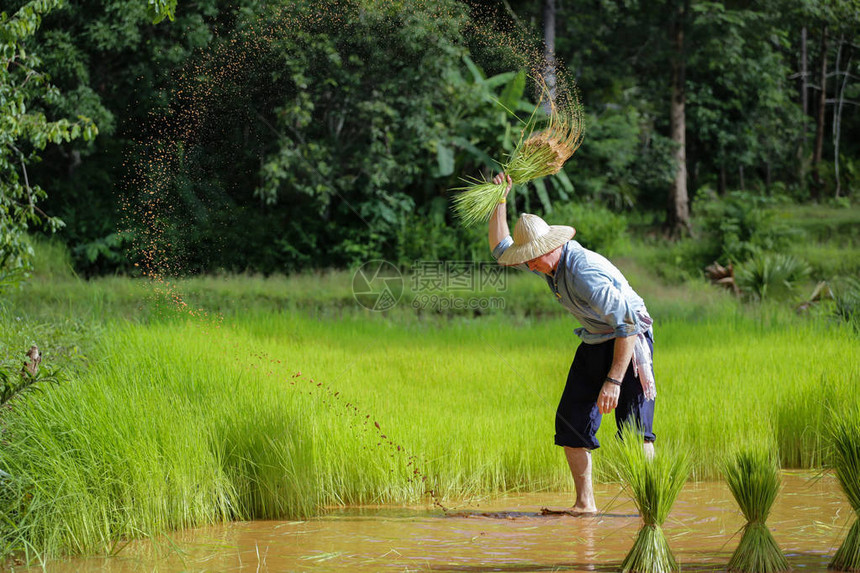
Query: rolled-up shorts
(578, 419)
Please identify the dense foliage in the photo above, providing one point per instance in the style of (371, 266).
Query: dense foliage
(310, 152)
(27, 99)
(309, 134)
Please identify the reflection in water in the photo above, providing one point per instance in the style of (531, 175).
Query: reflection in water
(809, 520)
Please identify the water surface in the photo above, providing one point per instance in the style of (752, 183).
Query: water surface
(809, 520)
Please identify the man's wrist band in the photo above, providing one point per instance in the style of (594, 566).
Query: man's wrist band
(613, 381)
(503, 201)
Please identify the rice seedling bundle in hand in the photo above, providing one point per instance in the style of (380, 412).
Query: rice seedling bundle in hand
(845, 435)
(753, 478)
(542, 150)
(654, 484)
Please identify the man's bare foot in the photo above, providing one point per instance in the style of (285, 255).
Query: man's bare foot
(583, 511)
(572, 512)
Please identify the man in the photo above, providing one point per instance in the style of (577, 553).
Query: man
(612, 366)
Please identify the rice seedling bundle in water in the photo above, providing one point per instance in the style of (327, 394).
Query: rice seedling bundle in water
(753, 478)
(542, 150)
(845, 434)
(654, 484)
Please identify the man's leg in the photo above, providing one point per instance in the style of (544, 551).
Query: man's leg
(578, 418)
(579, 460)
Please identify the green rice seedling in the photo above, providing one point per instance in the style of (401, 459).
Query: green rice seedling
(753, 478)
(477, 201)
(543, 149)
(845, 434)
(654, 484)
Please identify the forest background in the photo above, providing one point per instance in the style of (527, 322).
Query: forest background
(334, 145)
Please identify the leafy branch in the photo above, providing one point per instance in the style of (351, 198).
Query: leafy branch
(26, 96)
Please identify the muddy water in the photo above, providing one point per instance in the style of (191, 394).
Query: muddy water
(809, 521)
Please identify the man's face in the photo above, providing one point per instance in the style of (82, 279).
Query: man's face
(543, 263)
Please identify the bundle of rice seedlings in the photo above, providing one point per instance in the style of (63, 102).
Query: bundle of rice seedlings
(542, 150)
(845, 435)
(753, 478)
(654, 484)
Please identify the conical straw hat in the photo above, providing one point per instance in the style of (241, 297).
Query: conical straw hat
(533, 238)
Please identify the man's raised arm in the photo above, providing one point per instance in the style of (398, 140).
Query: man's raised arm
(499, 219)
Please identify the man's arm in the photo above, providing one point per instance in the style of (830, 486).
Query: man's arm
(608, 399)
(499, 219)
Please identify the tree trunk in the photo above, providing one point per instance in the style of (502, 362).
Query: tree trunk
(692, 176)
(804, 101)
(767, 177)
(721, 188)
(549, 46)
(678, 213)
(819, 122)
(804, 78)
(837, 116)
(741, 177)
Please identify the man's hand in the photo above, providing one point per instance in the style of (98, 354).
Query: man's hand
(608, 398)
(500, 178)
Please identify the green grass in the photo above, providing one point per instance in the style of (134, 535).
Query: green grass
(829, 260)
(824, 223)
(830, 241)
(164, 420)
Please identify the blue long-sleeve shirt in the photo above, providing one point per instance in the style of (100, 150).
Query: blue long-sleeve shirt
(594, 291)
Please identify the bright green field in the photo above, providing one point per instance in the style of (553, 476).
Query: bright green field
(166, 420)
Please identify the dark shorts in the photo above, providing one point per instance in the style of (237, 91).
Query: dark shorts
(577, 418)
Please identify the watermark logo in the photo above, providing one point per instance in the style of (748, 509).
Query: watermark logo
(435, 286)
(457, 276)
(377, 285)
(440, 303)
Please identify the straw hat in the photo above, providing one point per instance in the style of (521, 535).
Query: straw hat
(533, 238)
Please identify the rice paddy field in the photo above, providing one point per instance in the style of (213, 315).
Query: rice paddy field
(276, 397)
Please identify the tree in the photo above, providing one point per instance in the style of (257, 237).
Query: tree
(26, 99)
(741, 114)
(678, 211)
(620, 53)
(113, 64)
(831, 27)
(35, 114)
(820, 114)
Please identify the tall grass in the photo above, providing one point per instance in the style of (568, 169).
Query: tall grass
(184, 422)
(171, 438)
